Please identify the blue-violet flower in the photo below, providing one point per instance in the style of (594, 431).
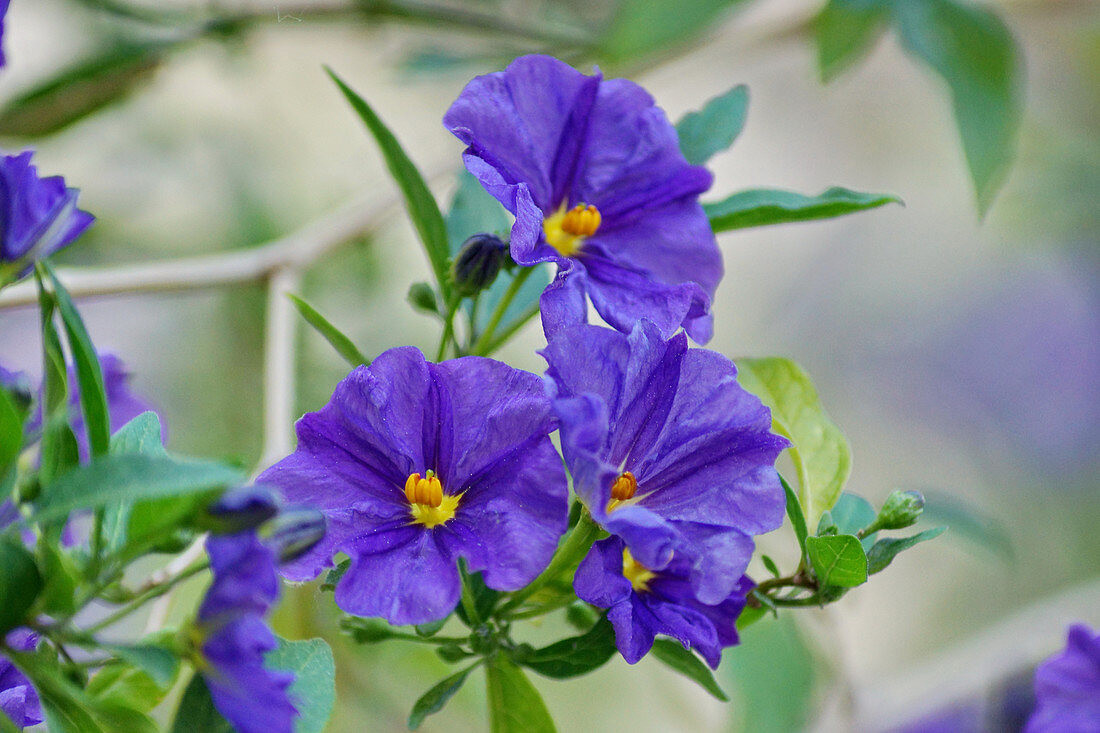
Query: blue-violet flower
(18, 699)
(593, 172)
(417, 464)
(1067, 687)
(666, 450)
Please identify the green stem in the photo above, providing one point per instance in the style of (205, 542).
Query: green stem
(568, 557)
(486, 338)
(148, 595)
(514, 326)
(469, 605)
(448, 328)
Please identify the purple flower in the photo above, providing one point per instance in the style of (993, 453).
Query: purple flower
(666, 450)
(593, 173)
(18, 699)
(38, 216)
(417, 464)
(235, 638)
(3, 12)
(1067, 687)
(643, 603)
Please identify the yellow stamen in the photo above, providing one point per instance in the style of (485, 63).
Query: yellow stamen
(566, 230)
(638, 575)
(624, 487)
(427, 502)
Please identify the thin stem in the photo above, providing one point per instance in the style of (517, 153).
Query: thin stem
(469, 605)
(510, 331)
(568, 556)
(448, 328)
(543, 609)
(486, 338)
(148, 595)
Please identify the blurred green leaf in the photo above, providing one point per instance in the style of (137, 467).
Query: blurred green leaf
(968, 521)
(58, 449)
(641, 28)
(423, 209)
(845, 31)
(130, 477)
(344, 346)
(368, 630)
(474, 211)
(12, 417)
(20, 583)
(851, 514)
(772, 676)
(838, 560)
(160, 664)
(141, 435)
(80, 90)
(820, 453)
(60, 579)
(313, 691)
(515, 706)
(132, 685)
(196, 711)
(764, 206)
(574, 656)
(883, 552)
(974, 52)
(714, 128)
(675, 656)
(434, 699)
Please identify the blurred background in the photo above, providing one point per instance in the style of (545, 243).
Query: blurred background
(960, 354)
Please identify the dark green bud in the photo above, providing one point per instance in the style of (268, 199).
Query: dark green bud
(239, 509)
(901, 509)
(422, 297)
(478, 263)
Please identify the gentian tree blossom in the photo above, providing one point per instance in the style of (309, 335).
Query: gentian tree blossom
(418, 464)
(666, 450)
(643, 603)
(593, 172)
(18, 699)
(1067, 687)
(38, 216)
(234, 638)
(3, 12)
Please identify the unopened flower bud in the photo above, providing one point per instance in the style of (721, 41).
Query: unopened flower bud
(295, 532)
(478, 263)
(901, 509)
(239, 509)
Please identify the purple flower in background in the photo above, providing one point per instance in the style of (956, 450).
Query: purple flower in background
(235, 638)
(38, 216)
(1067, 687)
(3, 12)
(592, 171)
(18, 699)
(644, 603)
(666, 450)
(417, 464)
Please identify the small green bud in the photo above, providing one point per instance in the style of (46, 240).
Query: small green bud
(901, 509)
(478, 263)
(422, 297)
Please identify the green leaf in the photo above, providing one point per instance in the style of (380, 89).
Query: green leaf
(473, 211)
(429, 630)
(763, 206)
(126, 685)
(845, 31)
(838, 560)
(641, 28)
(794, 511)
(159, 663)
(93, 395)
(852, 513)
(368, 630)
(423, 209)
(196, 711)
(515, 706)
(820, 453)
(968, 521)
(882, 553)
(575, 656)
(20, 583)
(130, 477)
(773, 676)
(313, 691)
(12, 418)
(141, 435)
(61, 576)
(434, 699)
(80, 90)
(344, 346)
(58, 448)
(714, 128)
(675, 656)
(770, 565)
(974, 52)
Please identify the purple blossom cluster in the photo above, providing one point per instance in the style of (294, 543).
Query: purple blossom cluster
(1067, 687)
(419, 465)
(18, 699)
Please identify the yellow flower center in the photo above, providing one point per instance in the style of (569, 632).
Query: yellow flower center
(638, 575)
(428, 505)
(566, 230)
(623, 490)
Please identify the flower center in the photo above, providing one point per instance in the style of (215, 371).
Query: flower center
(622, 490)
(638, 575)
(566, 230)
(427, 502)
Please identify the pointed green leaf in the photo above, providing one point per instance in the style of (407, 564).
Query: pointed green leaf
(763, 206)
(58, 448)
(159, 663)
(794, 512)
(313, 691)
(641, 28)
(20, 583)
(575, 656)
(882, 553)
(714, 128)
(423, 209)
(845, 31)
(515, 706)
(820, 453)
(434, 699)
(838, 560)
(12, 418)
(973, 51)
(674, 655)
(344, 346)
(196, 711)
